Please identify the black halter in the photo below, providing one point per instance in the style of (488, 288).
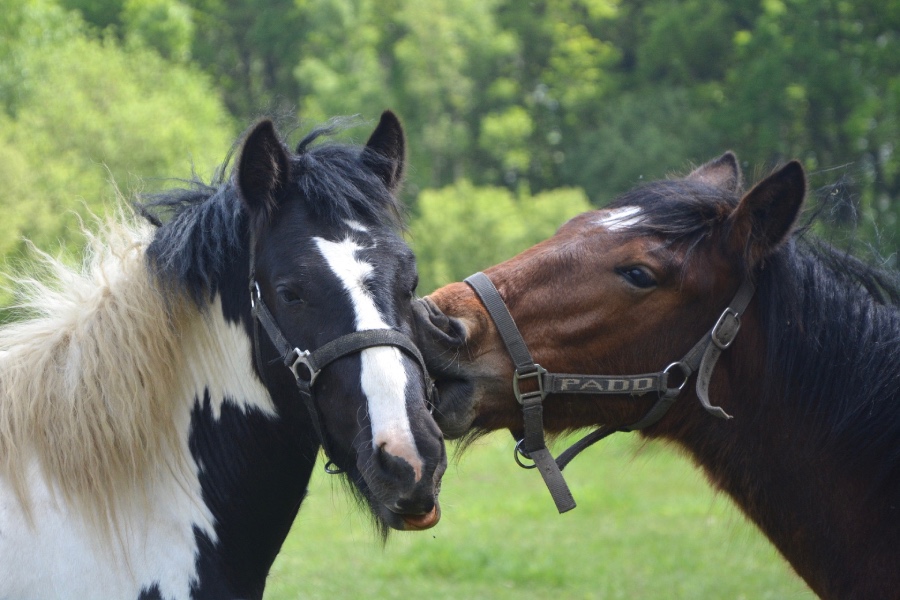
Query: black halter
(306, 365)
(700, 359)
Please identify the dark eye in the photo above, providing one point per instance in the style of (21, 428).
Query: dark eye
(639, 277)
(288, 296)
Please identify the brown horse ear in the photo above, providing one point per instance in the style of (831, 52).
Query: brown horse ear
(263, 168)
(723, 172)
(385, 152)
(766, 214)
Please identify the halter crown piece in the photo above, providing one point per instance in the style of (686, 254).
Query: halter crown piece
(306, 365)
(700, 359)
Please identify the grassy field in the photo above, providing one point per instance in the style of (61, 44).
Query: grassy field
(647, 526)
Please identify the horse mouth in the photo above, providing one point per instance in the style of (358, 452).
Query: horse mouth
(422, 522)
(411, 522)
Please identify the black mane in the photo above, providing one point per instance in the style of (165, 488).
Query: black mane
(832, 325)
(202, 228)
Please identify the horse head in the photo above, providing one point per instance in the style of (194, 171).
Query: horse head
(623, 290)
(327, 261)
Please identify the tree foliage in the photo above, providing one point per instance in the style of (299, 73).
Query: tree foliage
(494, 94)
(461, 229)
(83, 116)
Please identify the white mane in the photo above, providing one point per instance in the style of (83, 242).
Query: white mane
(89, 381)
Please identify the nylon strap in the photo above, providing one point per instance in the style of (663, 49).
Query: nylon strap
(535, 446)
(701, 358)
(509, 333)
(318, 359)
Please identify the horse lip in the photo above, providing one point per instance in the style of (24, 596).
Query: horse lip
(424, 521)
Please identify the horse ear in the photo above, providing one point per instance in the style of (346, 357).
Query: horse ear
(263, 168)
(723, 172)
(385, 152)
(766, 214)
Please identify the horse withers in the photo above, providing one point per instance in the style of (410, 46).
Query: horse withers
(794, 413)
(161, 412)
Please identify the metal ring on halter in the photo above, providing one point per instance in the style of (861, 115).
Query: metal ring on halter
(518, 451)
(685, 371)
(333, 469)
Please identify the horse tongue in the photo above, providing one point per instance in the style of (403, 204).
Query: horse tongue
(426, 521)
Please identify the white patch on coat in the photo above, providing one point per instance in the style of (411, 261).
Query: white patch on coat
(619, 218)
(356, 226)
(63, 556)
(383, 375)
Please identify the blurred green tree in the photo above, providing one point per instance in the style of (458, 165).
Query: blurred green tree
(462, 228)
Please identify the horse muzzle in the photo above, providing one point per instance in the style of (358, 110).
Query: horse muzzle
(442, 341)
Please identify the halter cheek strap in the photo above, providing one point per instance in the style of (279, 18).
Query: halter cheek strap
(700, 359)
(306, 365)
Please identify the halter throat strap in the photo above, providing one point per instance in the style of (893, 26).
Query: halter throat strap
(700, 359)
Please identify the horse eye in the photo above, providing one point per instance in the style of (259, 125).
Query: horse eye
(288, 296)
(637, 276)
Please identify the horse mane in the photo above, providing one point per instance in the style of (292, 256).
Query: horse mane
(831, 320)
(832, 323)
(202, 225)
(89, 376)
(87, 380)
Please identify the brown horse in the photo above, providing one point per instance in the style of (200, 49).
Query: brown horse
(812, 451)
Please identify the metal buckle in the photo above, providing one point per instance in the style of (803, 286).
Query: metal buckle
(254, 293)
(538, 374)
(302, 358)
(735, 316)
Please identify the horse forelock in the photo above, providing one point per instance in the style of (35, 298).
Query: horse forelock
(680, 212)
(203, 225)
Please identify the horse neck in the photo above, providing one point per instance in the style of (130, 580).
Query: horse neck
(784, 460)
(256, 449)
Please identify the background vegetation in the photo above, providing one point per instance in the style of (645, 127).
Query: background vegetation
(519, 113)
(505, 101)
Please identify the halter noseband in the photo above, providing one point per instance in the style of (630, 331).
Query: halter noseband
(306, 365)
(700, 359)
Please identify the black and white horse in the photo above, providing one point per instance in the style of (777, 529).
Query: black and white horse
(149, 447)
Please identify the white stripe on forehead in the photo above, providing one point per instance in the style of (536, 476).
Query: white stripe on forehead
(383, 376)
(619, 218)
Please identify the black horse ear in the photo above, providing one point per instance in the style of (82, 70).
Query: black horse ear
(765, 216)
(723, 172)
(263, 168)
(385, 152)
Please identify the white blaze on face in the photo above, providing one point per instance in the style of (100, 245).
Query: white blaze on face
(620, 218)
(383, 375)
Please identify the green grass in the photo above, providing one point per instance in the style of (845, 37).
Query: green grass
(647, 526)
